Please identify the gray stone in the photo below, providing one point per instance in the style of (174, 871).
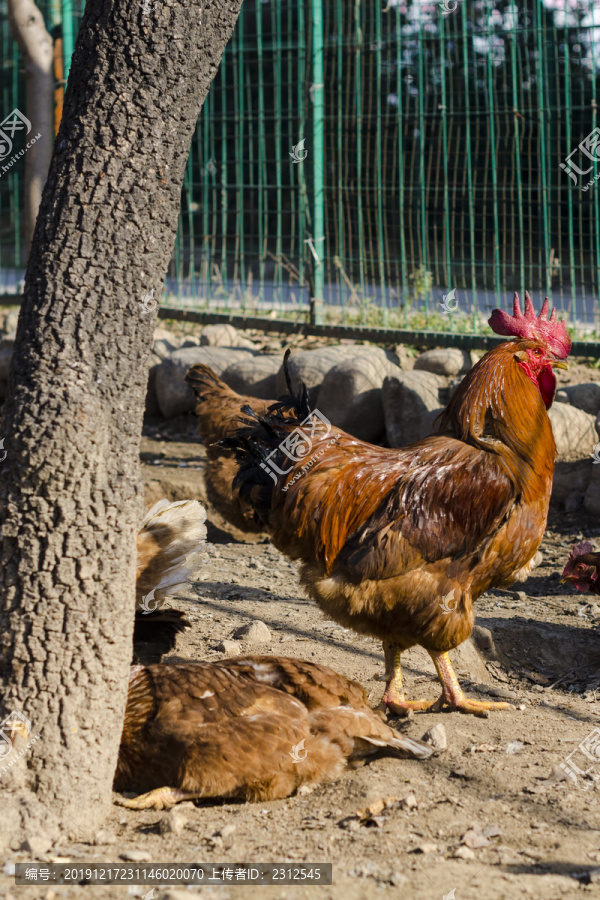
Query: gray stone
(574, 501)
(173, 822)
(229, 648)
(223, 336)
(350, 396)
(104, 836)
(574, 430)
(6, 352)
(11, 320)
(484, 641)
(463, 853)
(37, 844)
(255, 376)
(444, 361)
(165, 342)
(174, 396)
(591, 500)
(253, 633)
(135, 856)
(584, 396)
(152, 408)
(411, 403)
(311, 367)
(436, 736)
(570, 477)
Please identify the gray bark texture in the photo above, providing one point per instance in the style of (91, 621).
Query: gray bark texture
(70, 489)
(28, 30)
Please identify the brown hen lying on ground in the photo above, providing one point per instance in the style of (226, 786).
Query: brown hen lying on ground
(168, 546)
(254, 728)
(399, 544)
(219, 412)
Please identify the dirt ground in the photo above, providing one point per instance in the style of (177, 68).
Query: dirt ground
(492, 817)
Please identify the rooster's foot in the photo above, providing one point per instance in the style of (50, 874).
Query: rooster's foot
(463, 704)
(452, 695)
(161, 798)
(401, 707)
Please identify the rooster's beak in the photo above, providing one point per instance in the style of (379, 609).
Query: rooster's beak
(559, 364)
(563, 580)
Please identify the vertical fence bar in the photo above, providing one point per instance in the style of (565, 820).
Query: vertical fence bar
(225, 100)
(422, 180)
(317, 91)
(542, 113)
(595, 228)
(358, 99)
(493, 162)
(401, 213)
(299, 169)
(517, 151)
(239, 275)
(447, 237)
(66, 7)
(261, 155)
(277, 71)
(340, 168)
(379, 165)
(567, 92)
(470, 192)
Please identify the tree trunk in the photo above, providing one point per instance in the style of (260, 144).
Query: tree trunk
(27, 28)
(70, 488)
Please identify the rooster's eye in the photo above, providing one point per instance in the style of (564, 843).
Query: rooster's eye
(537, 351)
(580, 567)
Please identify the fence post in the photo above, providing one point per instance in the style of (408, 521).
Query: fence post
(66, 14)
(317, 246)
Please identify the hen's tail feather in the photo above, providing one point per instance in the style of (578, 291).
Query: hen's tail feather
(169, 545)
(204, 382)
(412, 746)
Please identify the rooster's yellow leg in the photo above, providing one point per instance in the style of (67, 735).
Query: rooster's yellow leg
(161, 798)
(394, 699)
(452, 695)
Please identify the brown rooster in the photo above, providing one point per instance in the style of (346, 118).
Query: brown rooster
(583, 568)
(255, 728)
(219, 412)
(168, 544)
(399, 544)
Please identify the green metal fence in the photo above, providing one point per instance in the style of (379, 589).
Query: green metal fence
(357, 163)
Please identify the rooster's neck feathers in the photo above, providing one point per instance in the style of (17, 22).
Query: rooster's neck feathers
(498, 408)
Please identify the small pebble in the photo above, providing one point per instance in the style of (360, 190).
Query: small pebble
(230, 648)
(436, 736)
(173, 822)
(37, 845)
(514, 746)
(463, 853)
(104, 836)
(135, 856)
(254, 633)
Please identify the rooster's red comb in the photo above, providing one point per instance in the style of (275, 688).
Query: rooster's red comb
(531, 327)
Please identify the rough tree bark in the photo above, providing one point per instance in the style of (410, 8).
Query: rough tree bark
(70, 491)
(27, 28)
